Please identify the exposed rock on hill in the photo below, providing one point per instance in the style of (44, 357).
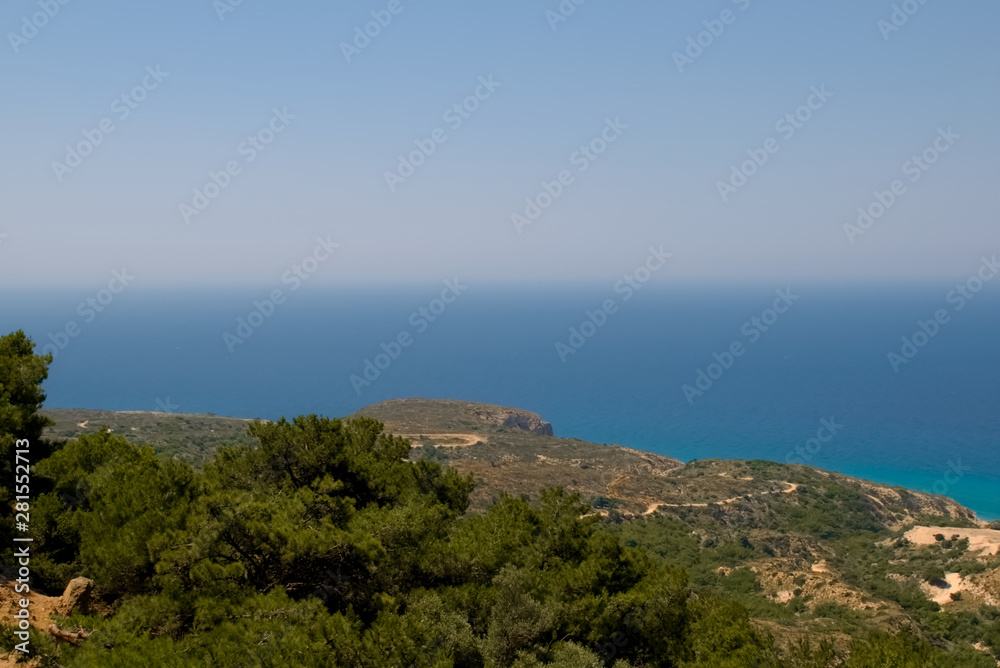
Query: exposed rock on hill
(519, 420)
(401, 415)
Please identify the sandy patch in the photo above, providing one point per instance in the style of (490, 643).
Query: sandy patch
(984, 541)
(953, 583)
(784, 596)
(985, 586)
(40, 609)
(444, 440)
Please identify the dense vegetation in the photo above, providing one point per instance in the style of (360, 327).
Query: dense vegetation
(322, 545)
(824, 522)
(193, 438)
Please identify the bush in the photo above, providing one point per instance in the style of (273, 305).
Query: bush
(933, 573)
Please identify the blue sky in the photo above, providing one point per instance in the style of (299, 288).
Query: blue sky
(324, 174)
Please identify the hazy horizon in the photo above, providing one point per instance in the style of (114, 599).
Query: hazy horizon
(532, 89)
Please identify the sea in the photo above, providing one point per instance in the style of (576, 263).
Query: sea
(895, 384)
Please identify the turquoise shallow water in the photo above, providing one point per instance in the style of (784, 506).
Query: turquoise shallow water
(825, 358)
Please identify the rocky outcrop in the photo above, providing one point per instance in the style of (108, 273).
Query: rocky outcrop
(515, 419)
(896, 507)
(76, 596)
(438, 416)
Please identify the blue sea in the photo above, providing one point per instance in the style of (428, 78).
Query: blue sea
(818, 370)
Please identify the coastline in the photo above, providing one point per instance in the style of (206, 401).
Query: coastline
(980, 494)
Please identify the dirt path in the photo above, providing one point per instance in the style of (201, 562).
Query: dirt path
(445, 440)
(653, 507)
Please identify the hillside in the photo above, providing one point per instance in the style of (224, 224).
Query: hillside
(793, 535)
(810, 553)
(193, 438)
(617, 479)
(513, 451)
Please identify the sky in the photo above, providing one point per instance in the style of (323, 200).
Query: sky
(312, 118)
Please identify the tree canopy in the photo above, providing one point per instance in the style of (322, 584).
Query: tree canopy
(326, 545)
